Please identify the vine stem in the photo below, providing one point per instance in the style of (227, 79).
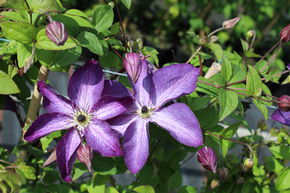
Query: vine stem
(36, 97)
(194, 54)
(233, 140)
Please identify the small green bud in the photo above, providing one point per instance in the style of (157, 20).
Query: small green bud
(248, 164)
(250, 34)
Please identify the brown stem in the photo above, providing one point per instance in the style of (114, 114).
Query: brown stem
(271, 49)
(203, 82)
(194, 54)
(232, 140)
(36, 97)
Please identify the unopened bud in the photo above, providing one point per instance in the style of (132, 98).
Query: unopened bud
(55, 31)
(250, 34)
(132, 63)
(214, 183)
(284, 102)
(50, 159)
(214, 69)
(223, 172)
(248, 164)
(207, 158)
(288, 66)
(230, 23)
(85, 155)
(285, 34)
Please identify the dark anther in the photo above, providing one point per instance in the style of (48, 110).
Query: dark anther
(81, 118)
(144, 109)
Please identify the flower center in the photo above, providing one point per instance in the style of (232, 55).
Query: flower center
(145, 112)
(82, 119)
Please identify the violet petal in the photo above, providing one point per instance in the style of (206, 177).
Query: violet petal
(174, 81)
(109, 107)
(102, 139)
(281, 116)
(135, 144)
(47, 123)
(66, 153)
(143, 85)
(86, 85)
(114, 89)
(181, 123)
(122, 122)
(53, 102)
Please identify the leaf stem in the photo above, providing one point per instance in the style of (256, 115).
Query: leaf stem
(233, 140)
(194, 54)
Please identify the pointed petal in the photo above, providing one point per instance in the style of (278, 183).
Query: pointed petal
(109, 107)
(181, 123)
(282, 117)
(122, 122)
(86, 85)
(47, 123)
(174, 81)
(143, 85)
(114, 89)
(101, 138)
(136, 145)
(66, 153)
(53, 102)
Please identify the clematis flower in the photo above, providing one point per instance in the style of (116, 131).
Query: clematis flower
(282, 115)
(83, 116)
(207, 158)
(151, 92)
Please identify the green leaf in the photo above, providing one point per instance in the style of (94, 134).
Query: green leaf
(45, 141)
(23, 54)
(103, 17)
(187, 189)
(152, 53)
(281, 151)
(127, 3)
(13, 15)
(90, 41)
(282, 181)
(19, 31)
(8, 86)
(175, 180)
(228, 102)
(42, 6)
(79, 170)
(262, 107)
(227, 70)
(76, 12)
(228, 133)
(111, 190)
(245, 45)
(58, 59)
(46, 44)
(104, 165)
(3, 187)
(217, 50)
(273, 165)
(253, 82)
(28, 171)
(207, 117)
(110, 60)
(144, 189)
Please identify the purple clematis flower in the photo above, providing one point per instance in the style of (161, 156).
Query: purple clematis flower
(207, 158)
(83, 116)
(282, 115)
(152, 91)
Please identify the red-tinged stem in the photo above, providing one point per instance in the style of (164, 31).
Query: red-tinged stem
(203, 82)
(232, 140)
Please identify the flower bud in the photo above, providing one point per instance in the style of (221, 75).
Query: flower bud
(284, 102)
(288, 66)
(85, 155)
(230, 23)
(223, 172)
(214, 69)
(50, 159)
(250, 34)
(55, 31)
(248, 164)
(133, 65)
(207, 158)
(285, 34)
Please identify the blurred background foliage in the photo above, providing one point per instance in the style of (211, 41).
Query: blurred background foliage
(171, 26)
